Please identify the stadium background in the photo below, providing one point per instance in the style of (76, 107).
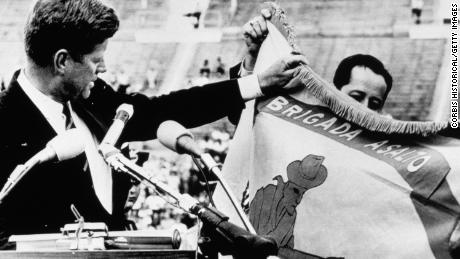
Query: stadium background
(158, 50)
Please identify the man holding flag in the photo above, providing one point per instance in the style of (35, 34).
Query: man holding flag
(362, 77)
(380, 188)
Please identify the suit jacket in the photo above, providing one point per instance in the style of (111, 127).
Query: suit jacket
(234, 73)
(40, 203)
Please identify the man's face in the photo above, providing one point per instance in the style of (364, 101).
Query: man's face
(292, 196)
(366, 87)
(80, 76)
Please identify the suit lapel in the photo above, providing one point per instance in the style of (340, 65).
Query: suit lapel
(28, 114)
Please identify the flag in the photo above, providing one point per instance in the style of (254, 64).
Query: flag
(327, 178)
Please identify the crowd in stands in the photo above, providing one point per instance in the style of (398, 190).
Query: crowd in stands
(208, 74)
(123, 82)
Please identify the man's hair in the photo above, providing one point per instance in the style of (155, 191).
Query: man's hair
(343, 71)
(75, 25)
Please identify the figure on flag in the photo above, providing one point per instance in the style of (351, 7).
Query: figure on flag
(283, 199)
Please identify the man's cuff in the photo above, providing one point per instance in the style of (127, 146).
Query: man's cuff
(249, 87)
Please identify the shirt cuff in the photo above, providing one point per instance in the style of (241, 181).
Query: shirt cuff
(249, 87)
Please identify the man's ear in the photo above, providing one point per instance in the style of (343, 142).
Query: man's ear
(61, 60)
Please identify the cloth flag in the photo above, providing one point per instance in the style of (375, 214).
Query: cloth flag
(325, 180)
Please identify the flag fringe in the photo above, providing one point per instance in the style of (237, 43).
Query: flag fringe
(282, 24)
(341, 104)
(347, 108)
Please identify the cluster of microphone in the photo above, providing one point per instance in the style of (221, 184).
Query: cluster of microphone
(175, 137)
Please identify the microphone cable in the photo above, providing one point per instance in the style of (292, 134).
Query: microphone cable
(203, 174)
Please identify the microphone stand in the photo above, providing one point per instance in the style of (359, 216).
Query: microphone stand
(17, 174)
(120, 163)
(230, 238)
(213, 167)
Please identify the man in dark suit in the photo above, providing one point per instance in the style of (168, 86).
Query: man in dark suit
(65, 43)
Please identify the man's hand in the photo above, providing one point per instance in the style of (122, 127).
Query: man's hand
(255, 32)
(280, 74)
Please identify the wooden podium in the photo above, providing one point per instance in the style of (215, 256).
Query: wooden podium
(168, 254)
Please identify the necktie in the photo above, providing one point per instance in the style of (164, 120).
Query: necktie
(69, 124)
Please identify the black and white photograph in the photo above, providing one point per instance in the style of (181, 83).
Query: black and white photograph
(301, 129)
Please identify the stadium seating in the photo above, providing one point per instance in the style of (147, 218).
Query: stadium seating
(218, 14)
(231, 52)
(335, 17)
(414, 64)
(135, 58)
(136, 14)
(328, 30)
(12, 13)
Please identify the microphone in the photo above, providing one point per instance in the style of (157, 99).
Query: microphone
(177, 138)
(62, 147)
(124, 113)
(230, 239)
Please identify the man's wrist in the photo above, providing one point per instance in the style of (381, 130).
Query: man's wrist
(247, 65)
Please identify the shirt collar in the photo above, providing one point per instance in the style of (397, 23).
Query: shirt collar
(51, 109)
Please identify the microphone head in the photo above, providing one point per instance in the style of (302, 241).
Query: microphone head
(67, 145)
(169, 131)
(127, 108)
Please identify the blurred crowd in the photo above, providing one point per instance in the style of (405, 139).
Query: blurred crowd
(209, 73)
(149, 210)
(123, 82)
(149, 83)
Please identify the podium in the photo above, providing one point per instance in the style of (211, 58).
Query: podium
(168, 254)
(114, 244)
